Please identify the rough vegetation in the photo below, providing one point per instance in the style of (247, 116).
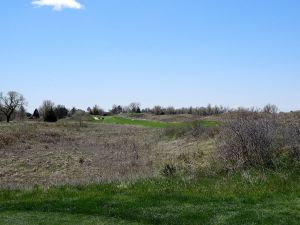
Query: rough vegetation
(259, 140)
(239, 167)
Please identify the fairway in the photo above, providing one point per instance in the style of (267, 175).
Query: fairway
(119, 120)
(210, 201)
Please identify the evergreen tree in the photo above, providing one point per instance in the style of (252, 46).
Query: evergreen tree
(50, 116)
(36, 114)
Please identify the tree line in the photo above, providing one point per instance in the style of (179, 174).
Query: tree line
(12, 106)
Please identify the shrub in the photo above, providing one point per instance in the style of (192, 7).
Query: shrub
(291, 136)
(169, 170)
(197, 130)
(249, 141)
(61, 111)
(175, 132)
(50, 116)
(6, 139)
(259, 140)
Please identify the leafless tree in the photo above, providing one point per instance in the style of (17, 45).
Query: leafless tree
(270, 109)
(158, 110)
(134, 107)
(46, 106)
(10, 103)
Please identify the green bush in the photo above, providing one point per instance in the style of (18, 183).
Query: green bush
(50, 116)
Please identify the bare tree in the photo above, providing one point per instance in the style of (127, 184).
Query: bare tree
(272, 109)
(135, 107)
(158, 110)
(45, 107)
(10, 103)
(21, 113)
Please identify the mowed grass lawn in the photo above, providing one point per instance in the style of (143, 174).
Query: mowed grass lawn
(150, 123)
(270, 200)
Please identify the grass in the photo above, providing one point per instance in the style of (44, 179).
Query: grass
(134, 122)
(151, 123)
(234, 200)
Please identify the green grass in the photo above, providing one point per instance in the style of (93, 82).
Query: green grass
(134, 122)
(151, 123)
(270, 200)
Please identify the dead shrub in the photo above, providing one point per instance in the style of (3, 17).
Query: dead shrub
(49, 137)
(6, 139)
(197, 130)
(291, 137)
(259, 140)
(252, 140)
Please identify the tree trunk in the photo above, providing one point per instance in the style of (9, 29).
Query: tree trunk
(8, 118)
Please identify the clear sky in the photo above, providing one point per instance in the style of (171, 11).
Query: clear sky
(167, 52)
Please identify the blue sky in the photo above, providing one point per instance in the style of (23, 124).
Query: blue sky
(167, 52)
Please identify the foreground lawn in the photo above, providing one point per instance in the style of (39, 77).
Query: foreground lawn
(150, 123)
(264, 200)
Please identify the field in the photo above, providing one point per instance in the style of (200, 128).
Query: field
(117, 148)
(133, 169)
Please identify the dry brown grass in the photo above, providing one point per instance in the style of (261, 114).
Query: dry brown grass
(50, 154)
(37, 153)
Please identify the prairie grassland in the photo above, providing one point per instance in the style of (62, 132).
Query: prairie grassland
(65, 153)
(53, 154)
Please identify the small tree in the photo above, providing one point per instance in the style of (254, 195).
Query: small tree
(97, 111)
(10, 103)
(22, 113)
(89, 110)
(36, 114)
(45, 107)
(271, 109)
(116, 109)
(50, 115)
(158, 110)
(72, 112)
(61, 111)
(135, 107)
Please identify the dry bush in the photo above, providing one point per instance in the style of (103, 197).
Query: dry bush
(197, 130)
(250, 140)
(6, 139)
(291, 137)
(258, 140)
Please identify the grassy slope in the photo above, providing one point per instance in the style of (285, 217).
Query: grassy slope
(150, 123)
(234, 201)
